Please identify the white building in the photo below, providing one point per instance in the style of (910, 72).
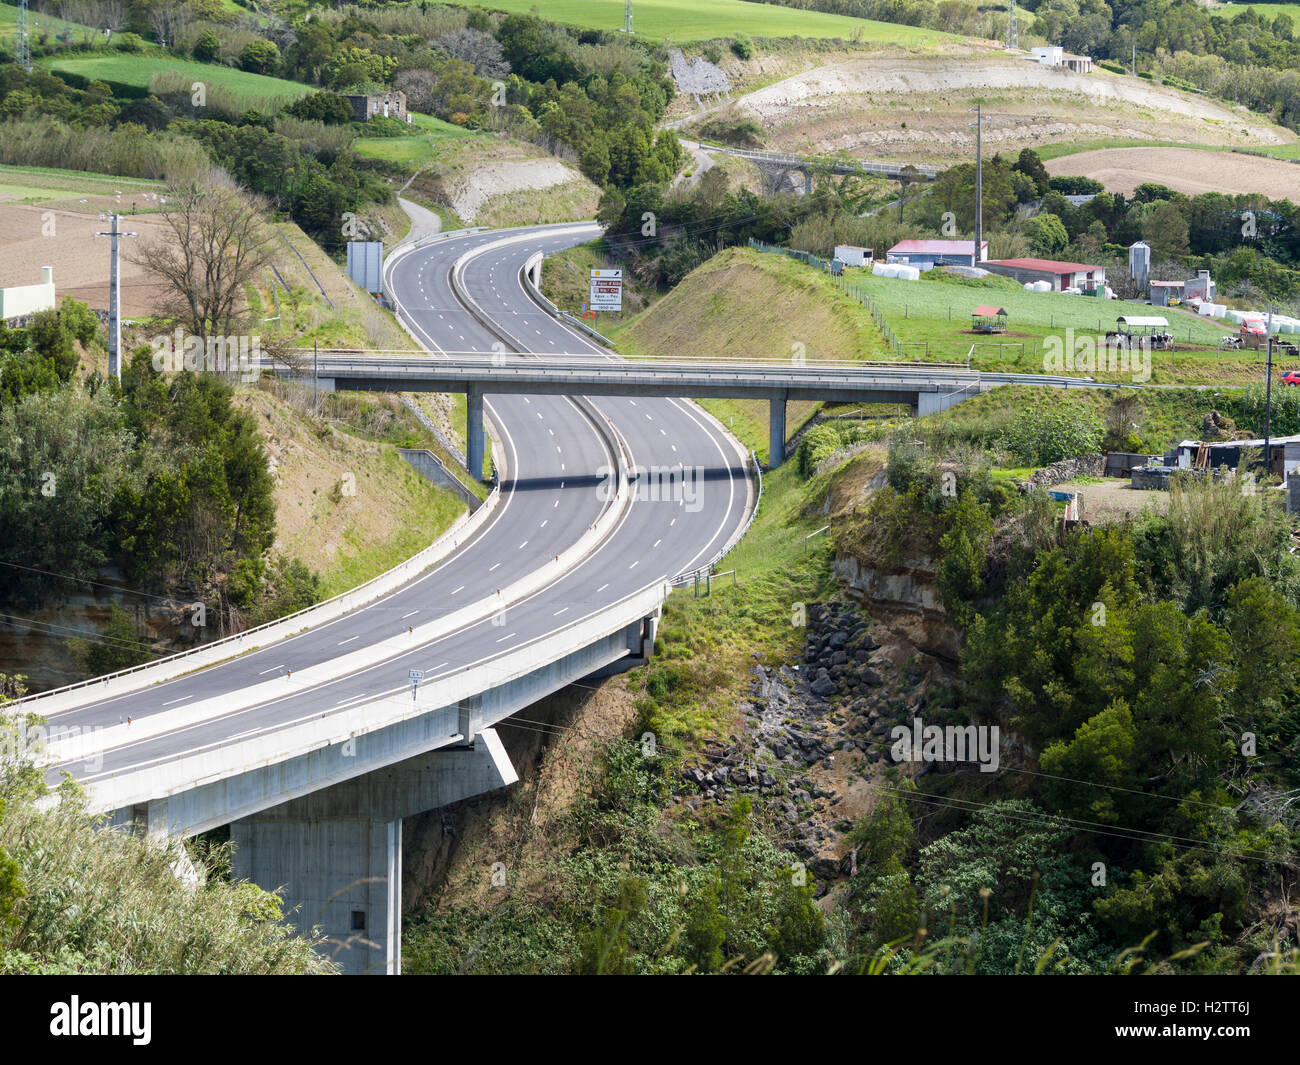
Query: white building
(852, 255)
(28, 299)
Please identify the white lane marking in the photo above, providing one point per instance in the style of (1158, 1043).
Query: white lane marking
(674, 521)
(414, 612)
(522, 546)
(528, 401)
(634, 564)
(602, 587)
(555, 504)
(559, 612)
(493, 566)
(657, 543)
(271, 670)
(545, 523)
(505, 637)
(462, 587)
(348, 640)
(180, 700)
(551, 431)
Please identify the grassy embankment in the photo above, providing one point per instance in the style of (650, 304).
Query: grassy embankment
(744, 304)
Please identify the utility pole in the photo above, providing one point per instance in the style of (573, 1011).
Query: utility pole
(24, 51)
(115, 298)
(1013, 35)
(1133, 65)
(1268, 392)
(979, 183)
(627, 16)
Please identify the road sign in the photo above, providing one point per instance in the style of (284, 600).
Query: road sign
(417, 674)
(606, 290)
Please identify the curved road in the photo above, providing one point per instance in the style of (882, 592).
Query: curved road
(551, 494)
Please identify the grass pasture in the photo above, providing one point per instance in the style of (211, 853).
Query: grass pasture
(429, 137)
(937, 313)
(131, 73)
(688, 20)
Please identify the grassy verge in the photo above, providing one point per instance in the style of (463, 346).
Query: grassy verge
(705, 647)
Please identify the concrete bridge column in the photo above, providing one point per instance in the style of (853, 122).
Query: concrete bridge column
(807, 182)
(776, 431)
(474, 432)
(336, 854)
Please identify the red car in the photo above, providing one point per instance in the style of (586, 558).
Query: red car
(1291, 377)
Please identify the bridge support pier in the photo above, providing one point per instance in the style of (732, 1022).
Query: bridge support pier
(337, 853)
(776, 431)
(933, 402)
(474, 433)
(807, 182)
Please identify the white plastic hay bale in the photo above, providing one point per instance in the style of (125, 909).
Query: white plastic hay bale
(909, 273)
(884, 270)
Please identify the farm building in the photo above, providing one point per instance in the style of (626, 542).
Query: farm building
(927, 253)
(1200, 287)
(1164, 292)
(987, 318)
(368, 105)
(1060, 275)
(852, 255)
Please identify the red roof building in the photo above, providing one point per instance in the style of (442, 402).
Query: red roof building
(1061, 275)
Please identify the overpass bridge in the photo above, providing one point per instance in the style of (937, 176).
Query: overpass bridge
(314, 738)
(926, 387)
(788, 162)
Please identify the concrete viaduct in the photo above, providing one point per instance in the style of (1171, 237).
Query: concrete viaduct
(925, 388)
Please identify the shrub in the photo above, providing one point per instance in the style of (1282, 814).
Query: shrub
(1043, 435)
(129, 42)
(742, 46)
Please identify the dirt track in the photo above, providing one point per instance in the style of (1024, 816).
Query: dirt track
(1189, 170)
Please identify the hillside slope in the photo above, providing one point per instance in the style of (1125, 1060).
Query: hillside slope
(854, 107)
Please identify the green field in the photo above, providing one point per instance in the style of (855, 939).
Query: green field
(932, 319)
(1270, 11)
(694, 20)
(411, 153)
(47, 187)
(134, 71)
(1056, 151)
(37, 24)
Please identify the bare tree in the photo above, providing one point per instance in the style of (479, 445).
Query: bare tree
(477, 48)
(112, 15)
(216, 245)
(169, 20)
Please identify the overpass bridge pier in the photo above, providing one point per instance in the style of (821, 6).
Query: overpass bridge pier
(336, 854)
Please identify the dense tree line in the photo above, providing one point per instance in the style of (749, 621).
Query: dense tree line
(163, 478)
(1150, 670)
